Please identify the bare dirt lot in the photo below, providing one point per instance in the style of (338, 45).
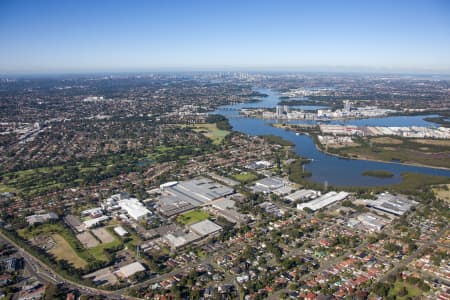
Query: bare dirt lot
(62, 250)
(387, 140)
(103, 235)
(87, 239)
(442, 192)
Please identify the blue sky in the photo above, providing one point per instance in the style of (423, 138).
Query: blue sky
(93, 35)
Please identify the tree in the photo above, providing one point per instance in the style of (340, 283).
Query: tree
(308, 210)
(51, 292)
(403, 291)
(381, 289)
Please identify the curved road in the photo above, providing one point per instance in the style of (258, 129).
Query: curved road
(44, 273)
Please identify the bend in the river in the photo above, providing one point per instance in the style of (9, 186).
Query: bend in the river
(324, 167)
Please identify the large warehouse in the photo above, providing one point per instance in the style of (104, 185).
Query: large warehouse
(185, 195)
(134, 208)
(268, 184)
(205, 228)
(397, 205)
(302, 195)
(324, 200)
(130, 269)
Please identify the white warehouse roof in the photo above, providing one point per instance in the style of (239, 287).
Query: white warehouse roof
(93, 222)
(120, 231)
(323, 200)
(130, 270)
(302, 194)
(134, 208)
(205, 228)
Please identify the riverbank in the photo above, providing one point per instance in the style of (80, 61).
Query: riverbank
(301, 118)
(379, 160)
(314, 138)
(326, 168)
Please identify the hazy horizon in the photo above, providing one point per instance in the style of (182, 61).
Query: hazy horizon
(53, 37)
(261, 70)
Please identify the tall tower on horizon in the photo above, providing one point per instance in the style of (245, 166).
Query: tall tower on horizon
(347, 105)
(278, 111)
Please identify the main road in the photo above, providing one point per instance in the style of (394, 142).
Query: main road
(44, 273)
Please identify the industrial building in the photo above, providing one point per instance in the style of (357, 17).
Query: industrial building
(260, 164)
(408, 132)
(167, 185)
(323, 201)
(284, 190)
(302, 195)
(171, 205)
(134, 208)
(393, 204)
(226, 208)
(224, 180)
(74, 222)
(372, 222)
(94, 222)
(268, 184)
(178, 239)
(120, 231)
(129, 270)
(340, 129)
(92, 212)
(223, 204)
(271, 208)
(182, 196)
(201, 190)
(205, 228)
(110, 204)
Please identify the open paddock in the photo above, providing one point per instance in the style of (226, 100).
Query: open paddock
(62, 250)
(386, 141)
(445, 143)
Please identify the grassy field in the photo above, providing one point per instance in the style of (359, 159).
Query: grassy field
(413, 291)
(245, 177)
(192, 217)
(386, 140)
(38, 181)
(62, 250)
(445, 143)
(5, 188)
(29, 232)
(412, 151)
(212, 132)
(164, 153)
(415, 181)
(442, 192)
(338, 146)
(98, 252)
(42, 180)
(92, 254)
(66, 243)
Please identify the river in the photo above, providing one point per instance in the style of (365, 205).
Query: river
(324, 167)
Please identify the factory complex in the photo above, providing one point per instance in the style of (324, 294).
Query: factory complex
(393, 204)
(178, 197)
(407, 132)
(323, 201)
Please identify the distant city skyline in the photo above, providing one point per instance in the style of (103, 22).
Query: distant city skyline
(136, 36)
